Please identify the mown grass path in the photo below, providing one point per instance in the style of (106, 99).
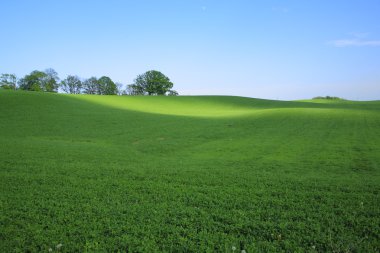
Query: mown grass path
(187, 174)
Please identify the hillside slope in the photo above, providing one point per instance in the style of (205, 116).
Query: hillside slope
(197, 173)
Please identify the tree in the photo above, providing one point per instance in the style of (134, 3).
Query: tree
(72, 85)
(119, 87)
(133, 89)
(172, 93)
(152, 82)
(90, 85)
(50, 82)
(33, 81)
(40, 81)
(106, 86)
(8, 81)
(101, 86)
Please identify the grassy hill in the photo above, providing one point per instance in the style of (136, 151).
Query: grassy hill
(187, 174)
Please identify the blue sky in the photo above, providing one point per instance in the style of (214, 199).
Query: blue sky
(266, 49)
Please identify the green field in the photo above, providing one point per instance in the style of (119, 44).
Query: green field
(187, 174)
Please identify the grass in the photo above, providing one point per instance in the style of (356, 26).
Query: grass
(187, 174)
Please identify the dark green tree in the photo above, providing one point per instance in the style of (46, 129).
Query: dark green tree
(152, 82)
(106, 86)
(72, 85)
(40, 81)
(90, 86)
(50, 82)
(33, 81)
(133, 89)
(101, 86)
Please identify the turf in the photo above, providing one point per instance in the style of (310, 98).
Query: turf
(187, 174)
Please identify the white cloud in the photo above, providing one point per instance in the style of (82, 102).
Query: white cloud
(358, 39)
(354, 42)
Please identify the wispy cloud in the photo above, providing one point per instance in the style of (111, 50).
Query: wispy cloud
(359, 40)
(354, 42)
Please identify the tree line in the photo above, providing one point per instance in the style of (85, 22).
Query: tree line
(151, 82)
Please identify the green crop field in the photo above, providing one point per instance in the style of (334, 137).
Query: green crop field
(187, 174)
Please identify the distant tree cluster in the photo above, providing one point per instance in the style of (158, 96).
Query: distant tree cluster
(150, 83)
(328, 97)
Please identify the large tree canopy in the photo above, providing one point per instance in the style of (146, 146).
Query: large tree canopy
(33, 81)
(40, 81)
(151, 82)
(106, 86)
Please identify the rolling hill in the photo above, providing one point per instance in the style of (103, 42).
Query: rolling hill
(187, 174)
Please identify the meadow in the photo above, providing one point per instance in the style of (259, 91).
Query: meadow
(87, 173)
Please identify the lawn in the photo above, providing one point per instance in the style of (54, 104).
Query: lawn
(187, 174)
